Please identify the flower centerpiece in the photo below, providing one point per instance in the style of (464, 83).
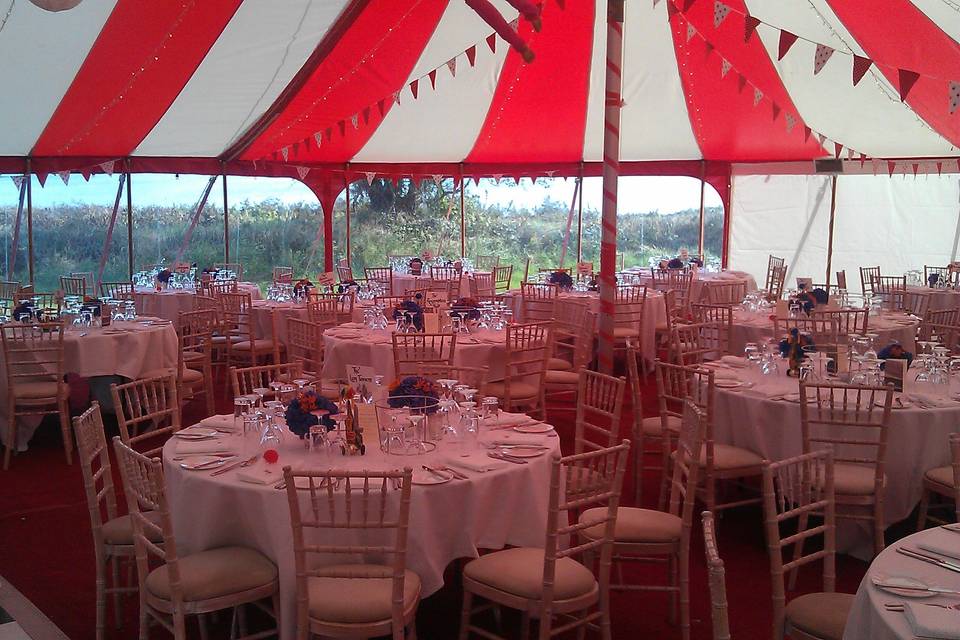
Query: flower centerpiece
(409, 308)
(306, 410)
(416, 266)
(345, 286)
(468, 308)
(792, 346)
(164, 276)
(414, 392)
(302, 287)
(675, 263)
(561, 278)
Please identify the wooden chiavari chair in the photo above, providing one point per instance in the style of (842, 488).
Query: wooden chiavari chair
(243, 345)
(47, 303)
(659, 279)
(681, 282)
(411, 351)
(283, 275)
(943, 481)
(716, 578)
(798, 499)
(381, 275)
(599, 406)
(565, 383)
(842, 280)
(641, 535)
(775, 283)
(943, 274)
(848, 321)
(195, 359)
(568, 321)
(200, 583)
(147, 410)
(630, 303)
(9, 290)
(33, 356)
(344, 307)
(117, 290)
(391, 592)
(867, 274)
(550, 582)
(537, 301)
(218, 287)
(821, 329)
(917, 303)
(688, 343)
(774, 264)
(324, 311)
(717, 325)
(502, 275)
(938, 319)
(892, 290)
(236, 267)
(854, 421)
(525, 366)
(727, 293)
(305, 345)
(73, 285)
(245, 379)
(481, 285)
(344, 273)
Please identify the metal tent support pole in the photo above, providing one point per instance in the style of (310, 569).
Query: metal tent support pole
(611, 173)
(580, 217)
(463, 218)
(15, 241)
(226, 218)
(108, 239)
(346, 185)
(129, 221)
(30, 221)
(703, 185)
(566, 236)
(196, 218)
(833, 210)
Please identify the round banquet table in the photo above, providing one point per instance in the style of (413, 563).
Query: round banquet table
(354, 345)
(168, 303)
(262, 313)
(505, 505)
(703, 280)
(940, 299)
(889, 327)
(126, 349)
(404, 282)
(765, 419)
(869, 620)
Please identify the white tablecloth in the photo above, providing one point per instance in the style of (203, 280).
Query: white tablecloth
(126, 349)
(758, 327)
(403, 282)
(917, 439)
(168, 304)
(365, 347)
(869, 620)
(704, 279)
(264, 309)
(939, 298)
(505, 506)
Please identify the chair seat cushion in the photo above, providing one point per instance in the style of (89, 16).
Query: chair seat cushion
(823, 615)
(518, 390)
(727, 456)
(120, 530)
(941, 475)
(853, 479)
(215, 573)
(626, 332)
(653, 427)
(561, 377)
(635, 525)
(559, 364)
(193, 356)
(38, 389)
(359, 593)
(260, 344)
(189, 375)
(222, 340)
(520, 572)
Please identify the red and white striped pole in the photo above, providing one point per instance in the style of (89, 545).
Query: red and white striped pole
(611, 171)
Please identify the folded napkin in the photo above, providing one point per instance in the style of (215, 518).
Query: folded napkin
(213, 445)
(932, 622)
(219, 422)
(266, 474)
(723, 374)
(473, 462)
(504, 419)
(943, 543)
(734, 361)
(353, 325)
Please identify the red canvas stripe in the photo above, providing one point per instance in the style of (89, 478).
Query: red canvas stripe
(373, 58)
(143, 57)
(726, 124)
(897, 35)
(539, 110)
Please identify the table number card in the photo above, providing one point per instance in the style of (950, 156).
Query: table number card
(327, 279)
(805, 283)
(360, 378)
(893, 372)
(585, 268)
(436, 299)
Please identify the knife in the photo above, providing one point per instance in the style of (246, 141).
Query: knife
(435, 473)
(910, 553)
(506, 458)
(240, 463)
(884, 585)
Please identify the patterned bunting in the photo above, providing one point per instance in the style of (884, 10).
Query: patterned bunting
(806, 132)
(720, 13)
(433, 79)
(318, 138)
(786, 41)
(837, 148)
(342, 125)
(691, 30)
(776, 111)
(725, 67)
(452, 66)
(302, 172)
(954, 96)
(413, 88)
(891, 165)
(366, 115)
(907, 80)
(791, 122)
(860, 67)
(285, 152)
(108, 166)
(355, 121)
(757, 96)
(492, 42)
(820, 57)
(750, 25)
(18, 181)
(370, 176)
(472, 55)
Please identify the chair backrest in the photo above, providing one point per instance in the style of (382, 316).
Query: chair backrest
(773, 264)
(151, 404)
(345, 303)
(848, 321)
(320, 514)
(245, 379)
(717, 321)
(629, 305)
(851, 419)
(676, 384)
(939, 321)
(577, 483)
(867, 274)
(798, 499)
(599, 403)
(634, 366)
(95, 467)
(323, 311)
(9, 290)
(283, 275)
(573, 330)
(943, 273)
(413, 350)
(235, 313)
(33, 353)
(195, 332)
(681, 281)
(117, 290)
(382, 275)
(686, 468)
(344, 273)
(917, 303)
(445, 273)
(716, 578)
(537, 301)
(481, 284)
(775, 280)
(821, 328)
(689, 342)
(526, 270)
(527, 346)
(48, 303)
(501, 278)
(725, 292)
(218, 287)
(305, 344)
(892, 289)
(74, 285)
(236, 267)
(842, 280)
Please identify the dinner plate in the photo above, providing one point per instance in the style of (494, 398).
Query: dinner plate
(196, 434)
(904, 581)
(533, 428)
(727, 384)
(203, 463)
(523, 451)
(427, 478)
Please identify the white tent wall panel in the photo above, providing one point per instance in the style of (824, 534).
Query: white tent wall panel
(57, 43)
(899, 223)
(269, 41)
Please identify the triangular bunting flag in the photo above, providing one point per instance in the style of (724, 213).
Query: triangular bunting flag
(515, 23)
(296, 149)
(370, 176)
(492, 42)
(822, 138)
(329, 133)
(496, 177)
(786, 41)
(285, 152)
(820, 57)
(849, 154)
(42, 179)
(720, 13)
(366, 115)
(806, 132)
(687, 4)
(691, 30)
(452, 66)
(382, 106)
(396, 97)
(741, 82)
(550, 174)
(318, 138)
(86, 174)
(776, 111)
(749, 26)
(915, 165)
(708, 48)
(355, 120)
(107, 167)
(791, 122)
(476, 180)
(438, 179)
(433, 80)
(891, 166)
(306, 144)
(725, 67)
(413, 88)
(863, 158)
(860, 66)
(472, 55)
(302, 172)
(757, 96)
(939, 168)
(342, 125)
(954, 95)
(907, 80)
(18, 180)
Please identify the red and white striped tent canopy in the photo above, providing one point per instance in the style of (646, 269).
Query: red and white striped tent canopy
(320, 88)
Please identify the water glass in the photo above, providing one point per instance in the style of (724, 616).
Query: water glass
(751, 351)
(490, 407)
(469, 428)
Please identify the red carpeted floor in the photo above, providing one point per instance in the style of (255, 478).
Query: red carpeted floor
(46, 553)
